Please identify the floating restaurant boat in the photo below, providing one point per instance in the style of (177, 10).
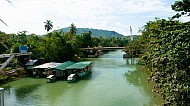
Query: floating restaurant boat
(81, 69)
(43, 70)
(71, 78)
(60, 70)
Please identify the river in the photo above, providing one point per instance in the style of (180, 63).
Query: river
(114, 82)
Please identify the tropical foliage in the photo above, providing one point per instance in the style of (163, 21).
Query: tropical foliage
(182, 8)
(73, 29)
(168, 59)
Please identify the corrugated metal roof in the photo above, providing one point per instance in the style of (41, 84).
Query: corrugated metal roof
(31, 62)
(48, 65)
(79, 65)
(64, 65)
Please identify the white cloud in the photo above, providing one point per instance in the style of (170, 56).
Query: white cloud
(115, 15)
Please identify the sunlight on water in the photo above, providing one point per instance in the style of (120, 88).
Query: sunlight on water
(114, 82)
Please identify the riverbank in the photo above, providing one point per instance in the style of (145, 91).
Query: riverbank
(7, 76)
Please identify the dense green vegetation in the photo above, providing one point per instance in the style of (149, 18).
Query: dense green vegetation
(182, 8)
(168, 59)
(165, 45)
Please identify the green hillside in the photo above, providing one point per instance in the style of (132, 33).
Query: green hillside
(95, 32)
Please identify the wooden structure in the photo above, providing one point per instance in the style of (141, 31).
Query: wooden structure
(10, 57)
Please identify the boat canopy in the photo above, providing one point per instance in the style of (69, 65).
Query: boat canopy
(79, 65)
(64, 65)
(48, 65)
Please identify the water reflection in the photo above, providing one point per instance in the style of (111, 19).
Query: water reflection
(24, 91)
(131, 61)
(138, 78)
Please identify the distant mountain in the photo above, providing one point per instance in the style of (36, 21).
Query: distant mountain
(95, 32)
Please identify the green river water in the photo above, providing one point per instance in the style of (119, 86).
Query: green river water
(114, 82)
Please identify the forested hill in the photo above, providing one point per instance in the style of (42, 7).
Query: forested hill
(95, 32)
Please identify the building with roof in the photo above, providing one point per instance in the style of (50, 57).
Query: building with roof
(44, 69)
(30, 64)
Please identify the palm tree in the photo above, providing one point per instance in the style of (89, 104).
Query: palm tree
(73, 29)
(48, 25)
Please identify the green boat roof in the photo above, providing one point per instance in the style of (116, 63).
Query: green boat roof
(79, 65)
(64, 65)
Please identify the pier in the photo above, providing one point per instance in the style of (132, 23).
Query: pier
(10, 57)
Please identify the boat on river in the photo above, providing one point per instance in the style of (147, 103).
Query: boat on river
(81, 69)
(50, 78)
(71, 78)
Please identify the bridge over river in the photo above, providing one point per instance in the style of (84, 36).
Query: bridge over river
(103, 48)
(97, 51)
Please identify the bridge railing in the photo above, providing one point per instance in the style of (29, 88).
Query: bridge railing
(103, 48)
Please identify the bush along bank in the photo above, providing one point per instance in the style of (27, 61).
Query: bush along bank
(168, 59)
(11, 75)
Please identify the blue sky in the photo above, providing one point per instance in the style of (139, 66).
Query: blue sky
(114, 15)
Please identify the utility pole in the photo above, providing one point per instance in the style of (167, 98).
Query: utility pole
(1, 97)
(131, 33)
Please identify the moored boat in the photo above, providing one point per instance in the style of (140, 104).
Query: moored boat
(81, 69)
(50, 78)
(71, 78)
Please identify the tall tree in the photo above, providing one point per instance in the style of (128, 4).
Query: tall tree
(73, 29)
(48, 25)
(87, 39)
(182, 8)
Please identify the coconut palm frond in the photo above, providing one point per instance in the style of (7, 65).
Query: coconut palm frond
(9, 1)
(1, 19)
(3, 22)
